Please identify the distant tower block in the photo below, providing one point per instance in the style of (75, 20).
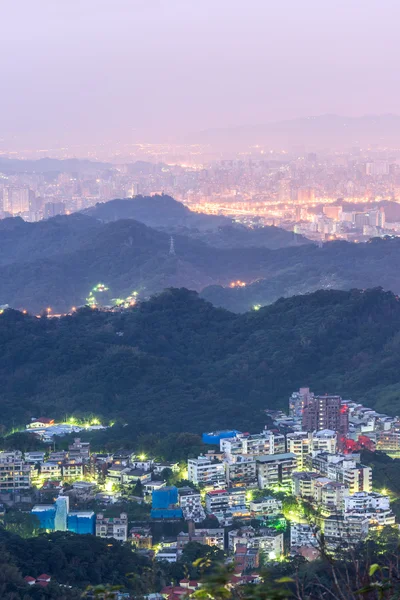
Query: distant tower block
(172, 246)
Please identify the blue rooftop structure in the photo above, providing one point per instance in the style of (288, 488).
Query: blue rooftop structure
(214, 437)
(164, 497)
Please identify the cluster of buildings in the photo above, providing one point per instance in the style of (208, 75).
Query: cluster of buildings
(241, 495)
(322, 196)
(46, 429)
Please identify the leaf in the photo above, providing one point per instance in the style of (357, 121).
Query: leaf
(373, 569)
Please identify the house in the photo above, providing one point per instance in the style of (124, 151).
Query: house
(34, 457)
(132, 476)
(49, 470)
(112, 527)
(72, 470)
(29, 580)
(40, 423)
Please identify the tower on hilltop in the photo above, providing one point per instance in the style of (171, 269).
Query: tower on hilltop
(171, 246)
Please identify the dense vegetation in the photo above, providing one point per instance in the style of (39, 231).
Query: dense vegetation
(57, 262)
(307, 268)
(369, 571)
(176, 363)
(70, 560)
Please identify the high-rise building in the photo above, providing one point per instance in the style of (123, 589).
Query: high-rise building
(16, 200)
(298, 400)
(325, 412)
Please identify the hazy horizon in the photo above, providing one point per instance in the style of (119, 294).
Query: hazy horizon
(82, 72)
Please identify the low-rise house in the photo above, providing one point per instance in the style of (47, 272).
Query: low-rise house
(141, 538)
(51, 470)
(132, 476)
(267, 539)
(34, 457)
(72, 470)
(112, 527)
(40, 423)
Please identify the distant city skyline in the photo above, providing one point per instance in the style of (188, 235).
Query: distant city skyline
(152, 70)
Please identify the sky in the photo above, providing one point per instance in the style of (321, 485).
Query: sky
(93, 70)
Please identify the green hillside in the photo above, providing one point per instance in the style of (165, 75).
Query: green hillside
(176, 363)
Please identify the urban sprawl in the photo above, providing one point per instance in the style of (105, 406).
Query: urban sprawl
(322, 196)
(258, 497)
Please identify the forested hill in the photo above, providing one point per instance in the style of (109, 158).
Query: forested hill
(336, 265)
(177, 363)
(124, 255)
(166, 213)
(155, 211)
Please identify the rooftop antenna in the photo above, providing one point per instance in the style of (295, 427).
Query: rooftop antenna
(171, 246)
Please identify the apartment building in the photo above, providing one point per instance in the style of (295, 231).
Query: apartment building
(112, 527)
(15, 474)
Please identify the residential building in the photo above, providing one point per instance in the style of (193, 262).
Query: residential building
(246, 558)
(357, 478)
(324, 441)
(141, 538)
(34, 457)
(266, 442)
(241, 469)
(342, 531)
(207, 537)
(303, 484)
(132, 476)
(112, 527)
(325, 412)
(15, 474)
(71, 470)
(303, 534)
(79, 451)
(275, 469)
(298, 400)
(190, 503)
(51, 470)
(267, 506)
(267, 539)
(330, 495)
(375, 507)
(204, 471)
(299, 443)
